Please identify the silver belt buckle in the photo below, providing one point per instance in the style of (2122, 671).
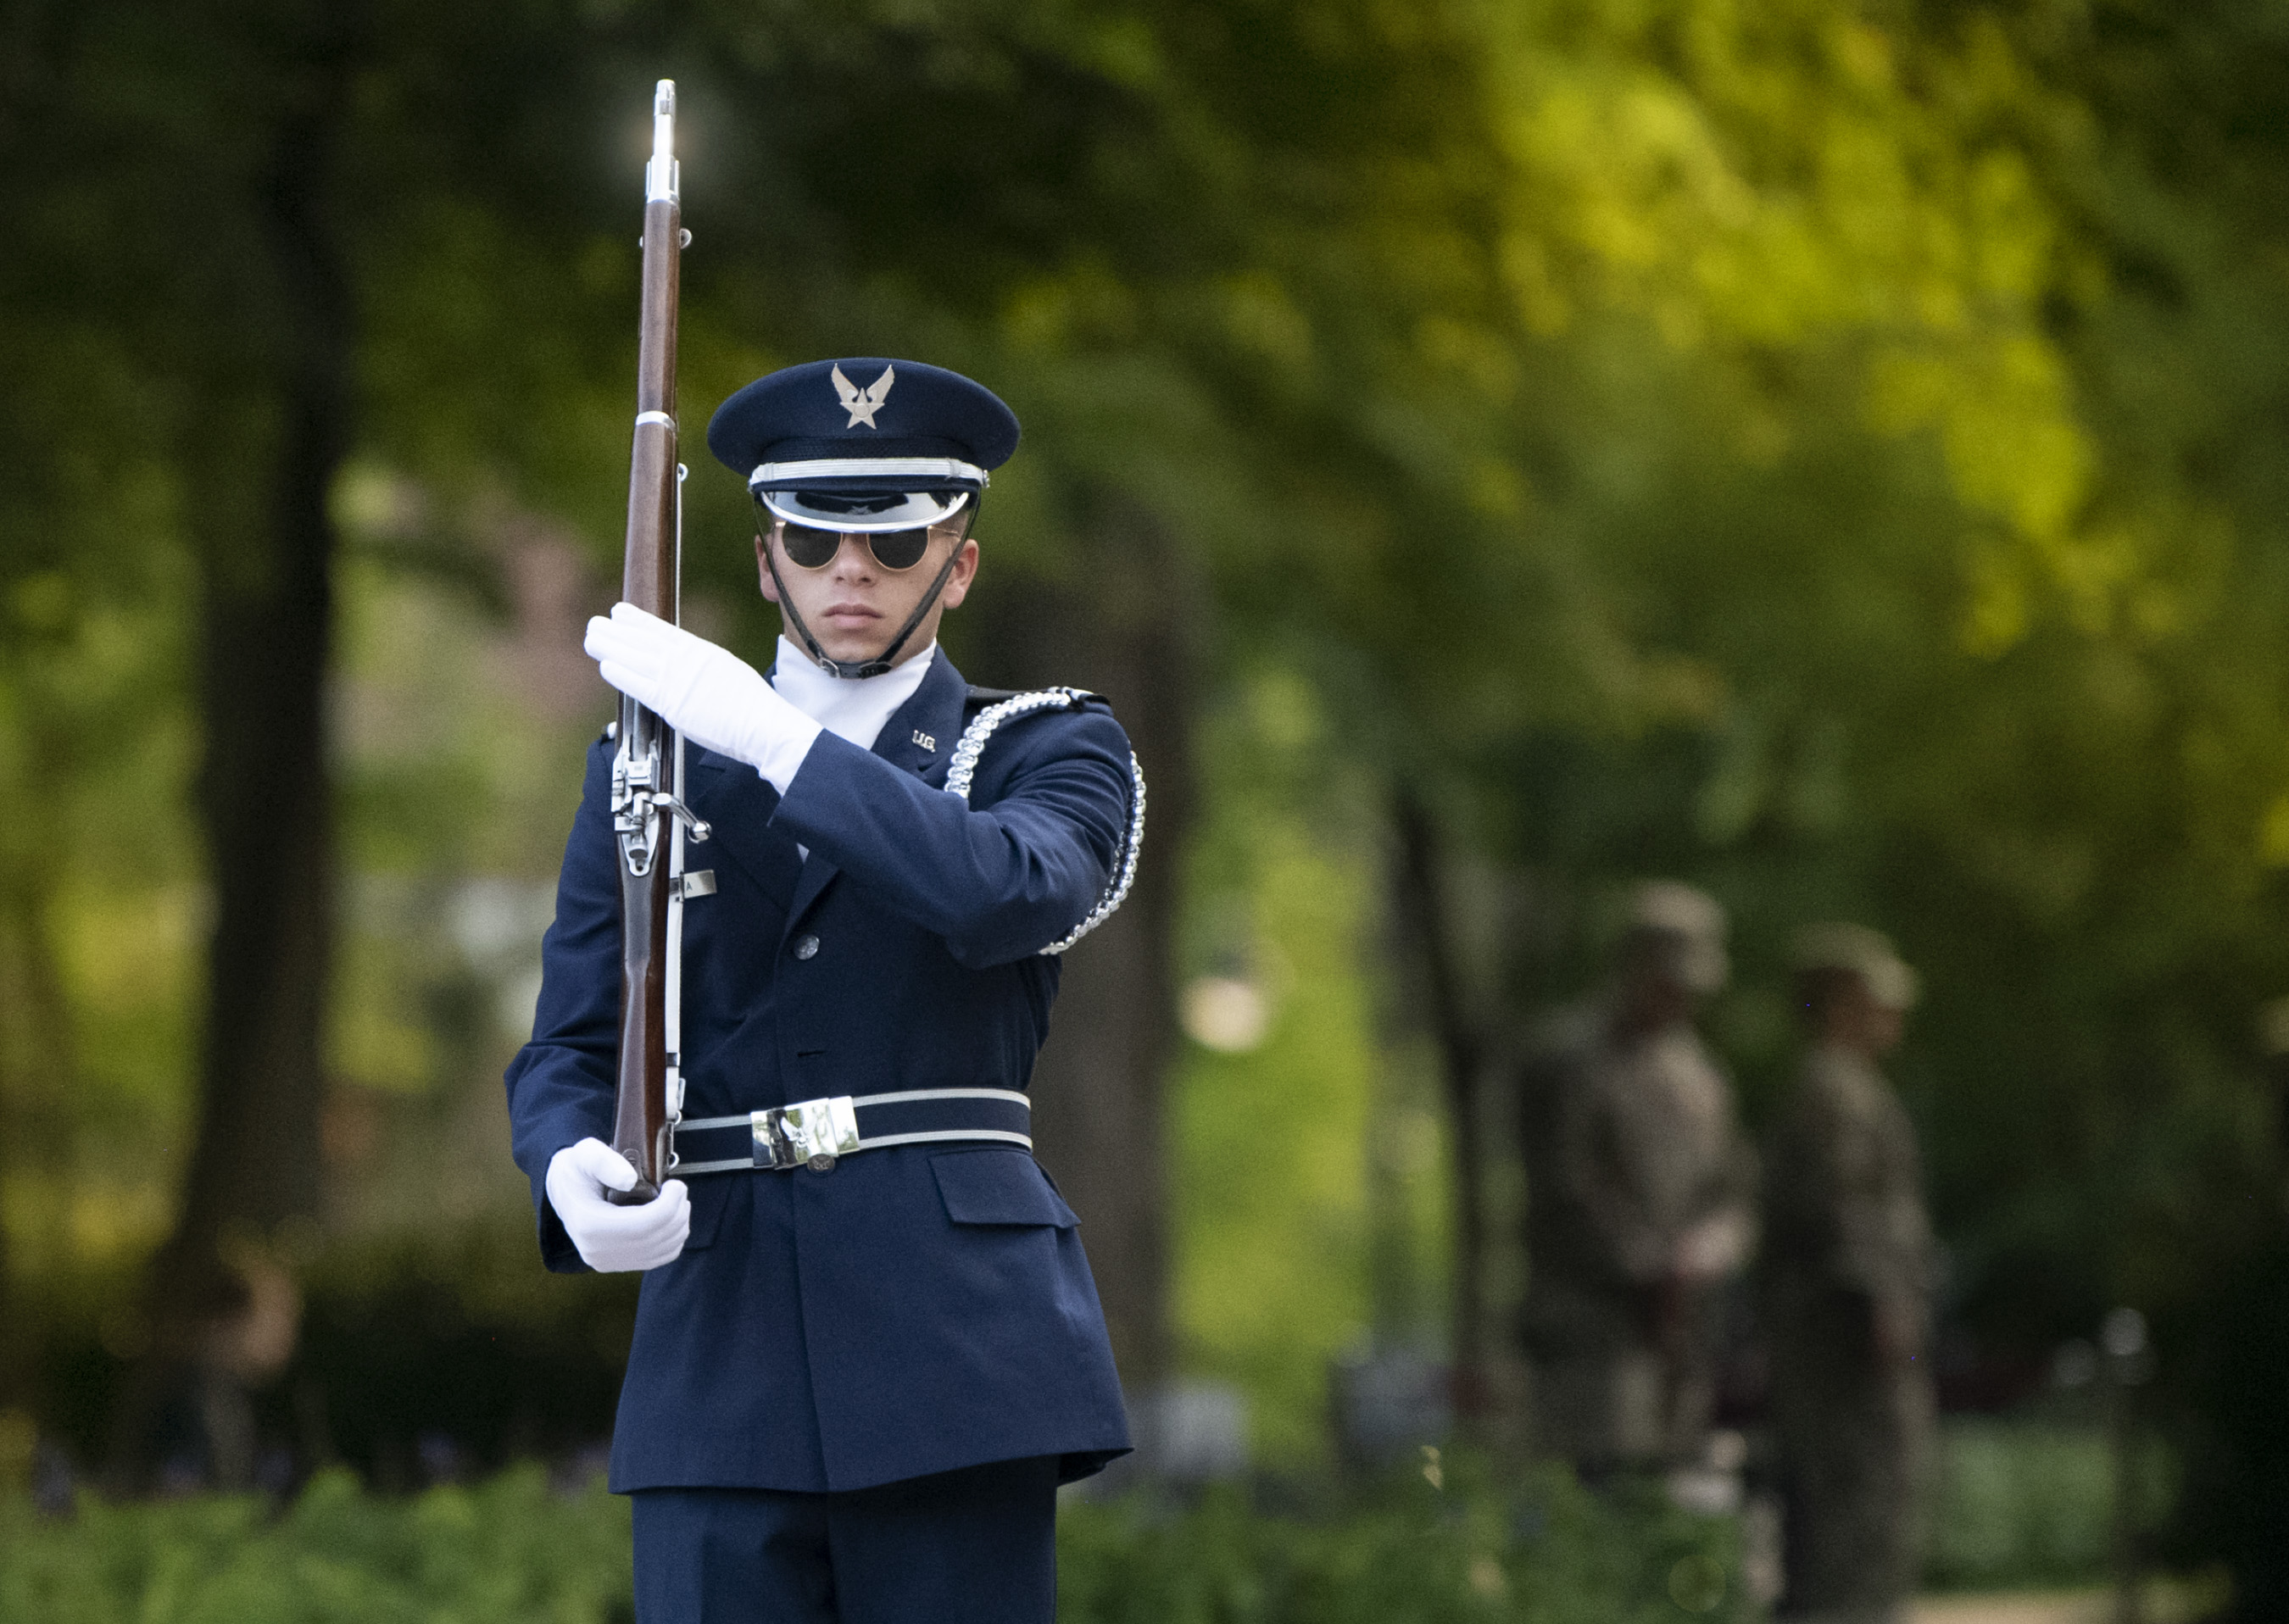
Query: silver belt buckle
(811, 1133)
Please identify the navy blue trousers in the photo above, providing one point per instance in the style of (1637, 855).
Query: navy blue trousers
(976, 1546)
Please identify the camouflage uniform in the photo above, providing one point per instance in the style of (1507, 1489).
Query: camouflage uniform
(1633, 1163)
(1847, 1276)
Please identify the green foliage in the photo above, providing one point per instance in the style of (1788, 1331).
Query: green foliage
(2019, 1505)
(513, 1551)
(1551, 1553)
(1269, 1194)
(507, 1552)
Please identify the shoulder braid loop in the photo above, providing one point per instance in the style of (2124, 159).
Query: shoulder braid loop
(971, 746)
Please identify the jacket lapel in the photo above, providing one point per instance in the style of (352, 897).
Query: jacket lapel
(919, 738)
(922, 737)
(737, 806)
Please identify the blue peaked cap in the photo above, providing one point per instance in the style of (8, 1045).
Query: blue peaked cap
(867, 443)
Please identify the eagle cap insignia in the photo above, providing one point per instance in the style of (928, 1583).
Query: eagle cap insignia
(862, 404)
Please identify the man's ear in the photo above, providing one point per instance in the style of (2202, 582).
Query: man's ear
(965, 571)
(764, 570)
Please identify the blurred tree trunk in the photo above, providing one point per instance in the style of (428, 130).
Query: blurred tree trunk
(19, 1044)
(1118, 623)
(262, 455)
(1424, 925)
(38, 1066)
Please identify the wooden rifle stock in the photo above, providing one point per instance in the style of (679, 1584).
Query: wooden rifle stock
(645, 793)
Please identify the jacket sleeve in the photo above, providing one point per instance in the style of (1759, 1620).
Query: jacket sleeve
(1000, 879)
(561, 1083)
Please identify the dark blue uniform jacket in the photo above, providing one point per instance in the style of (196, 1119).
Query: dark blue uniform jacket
(918, 1308)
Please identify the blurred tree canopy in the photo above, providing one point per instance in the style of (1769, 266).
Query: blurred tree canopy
(1833, 452)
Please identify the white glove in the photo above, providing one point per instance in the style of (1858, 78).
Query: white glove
(709, 695)
(614, 1240)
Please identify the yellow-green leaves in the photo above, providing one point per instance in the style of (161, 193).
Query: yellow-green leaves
(1792, 177)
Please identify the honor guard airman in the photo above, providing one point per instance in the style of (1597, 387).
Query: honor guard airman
(868, 1348)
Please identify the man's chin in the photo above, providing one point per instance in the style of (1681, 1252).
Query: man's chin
(852, 651)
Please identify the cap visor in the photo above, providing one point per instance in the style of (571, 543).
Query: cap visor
(863, 511)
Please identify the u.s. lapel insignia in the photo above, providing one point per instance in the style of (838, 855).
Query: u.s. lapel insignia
(927, 741)
(862, 404)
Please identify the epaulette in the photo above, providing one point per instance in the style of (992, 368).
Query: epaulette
(978, 698)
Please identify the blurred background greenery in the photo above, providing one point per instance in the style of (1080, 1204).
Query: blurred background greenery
(1830, 452)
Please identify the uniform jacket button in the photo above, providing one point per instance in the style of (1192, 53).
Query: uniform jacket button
(805, 946)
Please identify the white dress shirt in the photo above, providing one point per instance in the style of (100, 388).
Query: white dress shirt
(849, 707)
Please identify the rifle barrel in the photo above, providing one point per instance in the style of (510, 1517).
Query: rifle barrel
(644, 772)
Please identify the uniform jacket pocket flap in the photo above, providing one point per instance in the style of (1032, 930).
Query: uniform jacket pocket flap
(999, 1187)
(709, 1197)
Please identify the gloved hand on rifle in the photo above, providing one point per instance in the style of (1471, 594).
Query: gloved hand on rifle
(709, 695)
(613, 1240)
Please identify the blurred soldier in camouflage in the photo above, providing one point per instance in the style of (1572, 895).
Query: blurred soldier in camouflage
(1847, 1276)
(1638, 1201)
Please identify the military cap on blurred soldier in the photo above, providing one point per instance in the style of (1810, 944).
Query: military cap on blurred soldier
(1638, 1197)
(1856, 951)
(1676, 934)
(1847, 1274)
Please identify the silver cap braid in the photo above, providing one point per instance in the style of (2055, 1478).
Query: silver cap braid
(971, 746)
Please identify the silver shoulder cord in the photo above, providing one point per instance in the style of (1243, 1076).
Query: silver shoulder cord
(972, 745)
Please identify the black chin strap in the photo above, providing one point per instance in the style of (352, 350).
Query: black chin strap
(889, 657)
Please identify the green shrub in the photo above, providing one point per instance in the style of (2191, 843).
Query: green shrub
(505, 1552)
(509, 1551)
(2019, 1504)
(1551, 1555)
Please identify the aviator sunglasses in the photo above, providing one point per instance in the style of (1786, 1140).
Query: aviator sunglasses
(814, 549)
